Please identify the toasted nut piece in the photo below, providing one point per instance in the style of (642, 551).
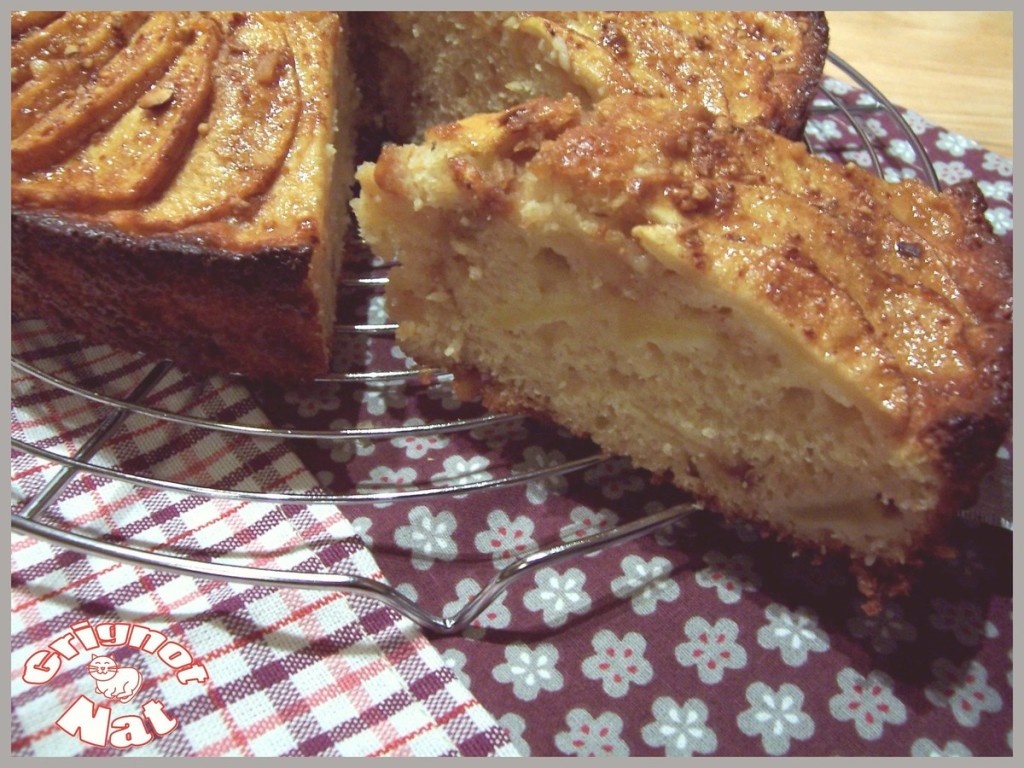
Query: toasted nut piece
(156, 97)
(267, 67)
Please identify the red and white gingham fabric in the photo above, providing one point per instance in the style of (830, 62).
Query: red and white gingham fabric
(291, 672)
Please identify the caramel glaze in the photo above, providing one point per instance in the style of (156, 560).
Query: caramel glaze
(162, 170)
(904, 292)
(761, 68)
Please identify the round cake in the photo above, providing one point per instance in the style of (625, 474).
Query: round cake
(180, 181)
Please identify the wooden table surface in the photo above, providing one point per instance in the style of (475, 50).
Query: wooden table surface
(953, 68)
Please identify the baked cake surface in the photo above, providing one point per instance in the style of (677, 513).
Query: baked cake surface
(180, 182)
(789, 339)
(424, 69)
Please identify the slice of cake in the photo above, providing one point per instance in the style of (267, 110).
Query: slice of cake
(792, 341)
(423, 69)
(180, 182)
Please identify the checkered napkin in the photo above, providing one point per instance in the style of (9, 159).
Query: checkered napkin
(290, 672)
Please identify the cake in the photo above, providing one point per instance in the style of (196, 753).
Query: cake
(791, 341)
(180, 183)
(180, 180)
(425, 69)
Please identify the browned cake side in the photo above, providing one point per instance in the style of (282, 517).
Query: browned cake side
(423, 69)
(179, 183)
(795, 342)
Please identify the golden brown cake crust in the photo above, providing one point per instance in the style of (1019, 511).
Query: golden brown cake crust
(917, 252)
(759, 67)
(211, 310)
(174, 178)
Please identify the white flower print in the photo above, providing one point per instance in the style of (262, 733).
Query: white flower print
(516, 726)
(557, 595)
(838, 87)
(1001, 165)
(775, 716)
(443, 394)
(362, 525)
(645, 582)
(497, 436)
(868, 701)
(902, 150)
(964, 689)
(1001, 220)
(427, 536)
(530, 671)
(711, 648)
(398, 354)
(963, 618)
(377, 311)
(385, 479)
(586, 522)
(505, 539)
(951, 172)
(894, 177)
(309, 401)
(615, 477)
(408, 590)
(794, 633)
(590, 736)
(417, 445)
(996, 190)
(886, 629)
(875, 127)
(918, 124)
(378, 398)
(928, 748)
(859, 157)
(455, 660)
(681, 730)
(672, 534)
(616, 663)
(350, 350)
(865, 99)
(536, 458)
(955, 144)
(344, 449)
(462, 471)
(495, 615)
(823, 130)
(729, 576)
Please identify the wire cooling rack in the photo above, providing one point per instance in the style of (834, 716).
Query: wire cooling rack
(362, 289)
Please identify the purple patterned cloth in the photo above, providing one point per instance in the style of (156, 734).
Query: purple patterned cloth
(702, 639)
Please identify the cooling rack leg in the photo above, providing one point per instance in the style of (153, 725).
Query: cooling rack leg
(65, 474)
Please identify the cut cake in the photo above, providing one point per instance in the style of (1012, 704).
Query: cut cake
(180, 180)
(789, 340)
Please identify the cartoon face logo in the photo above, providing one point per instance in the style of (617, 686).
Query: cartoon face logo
(113, 681)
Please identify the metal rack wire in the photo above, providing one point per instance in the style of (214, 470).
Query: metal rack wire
(371, 283)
